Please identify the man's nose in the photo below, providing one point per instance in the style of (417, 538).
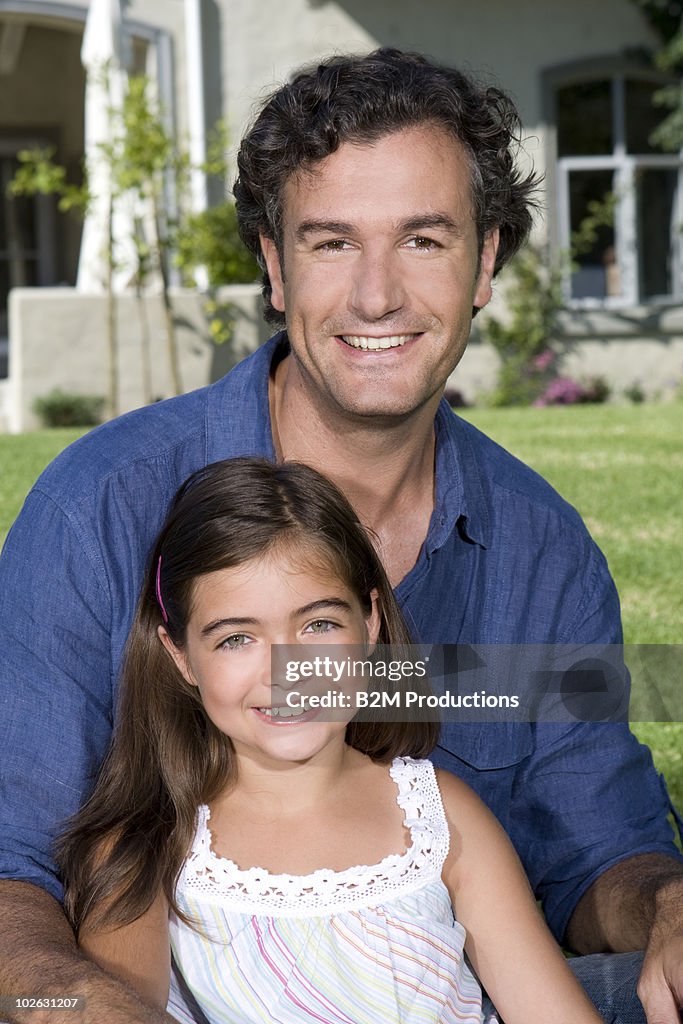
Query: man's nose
(378, 286)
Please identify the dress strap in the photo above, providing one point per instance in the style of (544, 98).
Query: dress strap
(419, 797)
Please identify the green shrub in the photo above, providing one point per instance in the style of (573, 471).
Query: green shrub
(634, 392)
(64, 409)
(525, 337)
(210, 239)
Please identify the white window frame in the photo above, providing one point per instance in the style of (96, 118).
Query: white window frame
(624, 167)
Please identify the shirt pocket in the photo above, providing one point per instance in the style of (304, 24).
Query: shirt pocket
(485, 746)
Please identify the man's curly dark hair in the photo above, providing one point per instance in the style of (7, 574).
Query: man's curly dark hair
(361, 99)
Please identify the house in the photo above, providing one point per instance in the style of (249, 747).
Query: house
(581, 74)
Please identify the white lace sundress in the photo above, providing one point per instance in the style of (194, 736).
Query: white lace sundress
(366, 945)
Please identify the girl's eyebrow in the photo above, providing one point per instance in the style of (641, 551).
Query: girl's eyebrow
(213, 627)
(324, 602)
(313, 606)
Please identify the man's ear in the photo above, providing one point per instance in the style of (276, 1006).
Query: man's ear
(178, 655)
(274, 267)
(487, 264)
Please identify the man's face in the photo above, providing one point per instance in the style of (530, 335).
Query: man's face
(380, 272)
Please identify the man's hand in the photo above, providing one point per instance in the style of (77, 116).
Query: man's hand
(39, 957)
(660, 988)
(638, 904)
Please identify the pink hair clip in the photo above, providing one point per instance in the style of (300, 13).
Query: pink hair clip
(164, 614)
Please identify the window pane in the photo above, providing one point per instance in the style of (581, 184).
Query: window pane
(656, 192)
(584, 119)
(21, 224)
(17, 214)
(4, 288)
(5, 200)
(642, 117)
(597, 272)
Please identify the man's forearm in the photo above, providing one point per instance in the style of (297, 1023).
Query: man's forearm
(617, 913)
(39, 958)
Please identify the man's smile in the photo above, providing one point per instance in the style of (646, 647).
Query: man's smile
(373, 344)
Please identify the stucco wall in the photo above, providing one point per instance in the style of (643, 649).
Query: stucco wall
(58, 339)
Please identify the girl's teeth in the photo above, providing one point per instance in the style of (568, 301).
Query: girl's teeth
(373, 344)
(281, 712)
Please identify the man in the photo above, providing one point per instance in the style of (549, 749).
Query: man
(382, 197)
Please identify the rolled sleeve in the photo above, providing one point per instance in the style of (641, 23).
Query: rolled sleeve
(589, 798)
(55, 685)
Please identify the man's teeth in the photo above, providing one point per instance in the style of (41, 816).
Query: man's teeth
(372, 344)
(281, 712)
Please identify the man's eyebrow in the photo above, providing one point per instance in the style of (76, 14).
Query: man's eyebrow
(219, 624)
(424, 221)
(322, 227)
(420, 222)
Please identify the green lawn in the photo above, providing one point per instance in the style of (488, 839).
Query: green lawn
(22, 458)
(621, 466)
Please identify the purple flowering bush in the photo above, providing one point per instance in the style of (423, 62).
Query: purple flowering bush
(567, 391)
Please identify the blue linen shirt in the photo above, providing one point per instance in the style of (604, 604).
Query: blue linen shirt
(505, 560)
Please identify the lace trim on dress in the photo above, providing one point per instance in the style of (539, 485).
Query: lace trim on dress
(258, 891)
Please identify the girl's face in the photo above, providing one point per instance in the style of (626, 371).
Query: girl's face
(237, 614)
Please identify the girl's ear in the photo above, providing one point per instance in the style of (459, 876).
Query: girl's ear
(373, 618)
(178, 655)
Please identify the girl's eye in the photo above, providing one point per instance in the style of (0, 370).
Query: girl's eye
(320, 626)
(235, 641)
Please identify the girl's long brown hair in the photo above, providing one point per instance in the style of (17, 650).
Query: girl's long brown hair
(132, 836)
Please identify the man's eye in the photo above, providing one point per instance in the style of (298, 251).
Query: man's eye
(420, 242)
(333, 245)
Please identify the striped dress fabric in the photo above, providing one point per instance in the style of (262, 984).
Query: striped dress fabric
(369, 944)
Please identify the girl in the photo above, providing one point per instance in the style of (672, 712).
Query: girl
(265, 864)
